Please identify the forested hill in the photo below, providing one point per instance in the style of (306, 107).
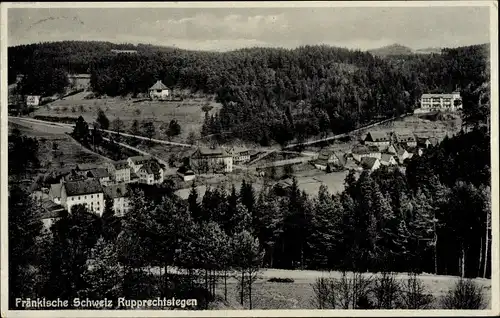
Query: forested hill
(269, 93)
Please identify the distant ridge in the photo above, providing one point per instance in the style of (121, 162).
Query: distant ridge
(393, 49)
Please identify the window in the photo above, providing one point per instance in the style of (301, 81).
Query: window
(91, 196)
(85, 197)
(78, 197)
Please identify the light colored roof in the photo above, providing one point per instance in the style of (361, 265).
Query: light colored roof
(158, 85)
(83, 187)
(386, 157)
(440, 95)
(55, 190)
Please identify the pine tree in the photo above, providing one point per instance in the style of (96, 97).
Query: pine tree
(325, 230)
(103, 273)
(25, 229)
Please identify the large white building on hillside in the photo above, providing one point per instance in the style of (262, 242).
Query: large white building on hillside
(440, 102)
(87, 192)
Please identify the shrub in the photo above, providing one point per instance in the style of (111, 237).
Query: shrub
(280, 280)
(464, 295)
(137, 112)
(386, 290)
(73, 109)
(413, 294)
(347, 292)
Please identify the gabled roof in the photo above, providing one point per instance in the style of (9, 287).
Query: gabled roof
(55, 190)
(116, 191)
(99, 173)
(360, 149)
(386, 157)
(51, 209)
(151, 167)
(368, 162)
(210, 152)
(406, 136)
(86, 166)
(399, 150)
(90, 186)
(139, 160)
(120, 165)
(377, 136)
(158, 85)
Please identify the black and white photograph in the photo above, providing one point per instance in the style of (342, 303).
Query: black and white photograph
(224, 158)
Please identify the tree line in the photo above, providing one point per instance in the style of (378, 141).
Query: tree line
(271, 94)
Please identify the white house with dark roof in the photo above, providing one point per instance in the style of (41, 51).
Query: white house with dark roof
(215, 159)
(120, 196)
(240, 154)
(361, 151)
(159, 91)
(328, 158)
(100, 174)
(136, 162)
(87, 192)
(119, 171)
(151, 172)
(377, 138)
(405, 138)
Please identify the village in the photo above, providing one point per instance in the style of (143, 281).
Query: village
(214, 165)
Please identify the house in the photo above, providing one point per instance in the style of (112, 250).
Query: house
(360, 151)
(406, 138)
(440, 102)
(100, 174)
(55, 193)
(51, 212)
(84, 167)
(328, 158)
(426, 142)
(87, 192)
(33, 100)
(186, 173)
(370, 163)
(213, 159)
(136, 162)
(159, 91)
(119, 171)
(377, 138)
(400, 152)
(120, 196)
(388, 159)
(151, 172)
(123, 51)
(240, 154)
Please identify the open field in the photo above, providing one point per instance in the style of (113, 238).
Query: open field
(300, 294)
(68, 151)
(188, 112)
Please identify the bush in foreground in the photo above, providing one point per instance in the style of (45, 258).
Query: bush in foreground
(466, 294)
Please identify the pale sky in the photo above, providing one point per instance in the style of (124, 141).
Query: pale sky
(232, 28)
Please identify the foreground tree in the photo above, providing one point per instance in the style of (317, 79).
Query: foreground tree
(247, 260)
(25, 230)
